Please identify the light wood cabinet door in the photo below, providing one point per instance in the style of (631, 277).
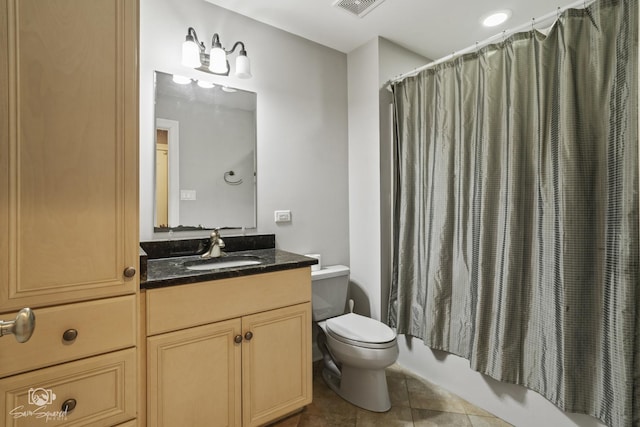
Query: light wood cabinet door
(194, 378)
(276, 363)
(68, 150)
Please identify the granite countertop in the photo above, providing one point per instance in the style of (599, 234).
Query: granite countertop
(162, 272)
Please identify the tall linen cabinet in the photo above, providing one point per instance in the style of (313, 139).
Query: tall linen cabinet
(69, 210)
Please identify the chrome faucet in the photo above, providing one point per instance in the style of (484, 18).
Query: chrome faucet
(216, 244)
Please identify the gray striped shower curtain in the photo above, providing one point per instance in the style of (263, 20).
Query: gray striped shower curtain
(516, 211)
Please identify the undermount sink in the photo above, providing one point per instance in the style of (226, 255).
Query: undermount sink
(222, 262)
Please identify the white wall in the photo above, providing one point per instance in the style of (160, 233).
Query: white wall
(301, 120)
(364, 179)
(370, 170)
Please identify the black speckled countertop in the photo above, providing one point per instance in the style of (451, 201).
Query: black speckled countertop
(170, 271)
(163, 272)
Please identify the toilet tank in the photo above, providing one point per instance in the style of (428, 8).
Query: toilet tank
(329, 287)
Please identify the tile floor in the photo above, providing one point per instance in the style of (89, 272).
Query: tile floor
(414, 402)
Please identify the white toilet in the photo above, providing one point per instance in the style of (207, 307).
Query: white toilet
(356, 349)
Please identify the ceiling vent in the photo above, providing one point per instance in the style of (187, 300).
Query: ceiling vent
(358, 8)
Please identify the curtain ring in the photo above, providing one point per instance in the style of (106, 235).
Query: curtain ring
(533, 23)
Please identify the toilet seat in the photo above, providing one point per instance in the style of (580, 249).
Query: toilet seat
(354, 329)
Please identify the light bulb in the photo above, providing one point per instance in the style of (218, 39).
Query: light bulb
(218, 61)
(243, 67)
(190, 54)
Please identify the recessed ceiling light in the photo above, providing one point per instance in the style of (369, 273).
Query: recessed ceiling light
(496, 18)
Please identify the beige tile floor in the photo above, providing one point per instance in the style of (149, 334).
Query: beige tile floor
(414, 402)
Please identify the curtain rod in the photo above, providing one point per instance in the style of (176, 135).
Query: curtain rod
(503, 34)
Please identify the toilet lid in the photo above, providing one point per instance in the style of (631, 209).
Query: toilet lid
(359, 328)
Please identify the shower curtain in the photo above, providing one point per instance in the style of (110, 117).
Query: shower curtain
(516, 211)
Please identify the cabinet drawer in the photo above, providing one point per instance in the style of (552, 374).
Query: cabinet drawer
(102, 326)
(183, 306)
(103, 389)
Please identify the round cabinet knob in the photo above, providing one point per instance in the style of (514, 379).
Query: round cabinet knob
(237, 339)
(22, 327)
(68, 405)
(248, 336)
(129, 272)
(70, 335)
(25, 324)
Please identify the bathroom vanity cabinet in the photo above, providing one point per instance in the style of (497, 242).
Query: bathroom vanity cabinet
(69, 210)
(232, 352)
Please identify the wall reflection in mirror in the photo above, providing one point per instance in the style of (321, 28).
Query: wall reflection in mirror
(205, 155)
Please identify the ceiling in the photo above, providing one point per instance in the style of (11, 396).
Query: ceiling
(432, 28)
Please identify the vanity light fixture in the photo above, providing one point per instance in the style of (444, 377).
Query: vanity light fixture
(194, 56)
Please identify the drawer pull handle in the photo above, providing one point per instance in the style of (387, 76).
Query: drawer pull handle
(237, 339)
(129, 272)
(248, 336)
(69, 405)
(22, 327)
(70, 335)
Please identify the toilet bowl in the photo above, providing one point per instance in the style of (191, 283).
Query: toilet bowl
(357, 360)
(356, 349)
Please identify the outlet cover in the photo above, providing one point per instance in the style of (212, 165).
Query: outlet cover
(282, 216)
(187, 194)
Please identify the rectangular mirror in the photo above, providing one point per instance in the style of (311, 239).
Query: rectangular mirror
(205, 173)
